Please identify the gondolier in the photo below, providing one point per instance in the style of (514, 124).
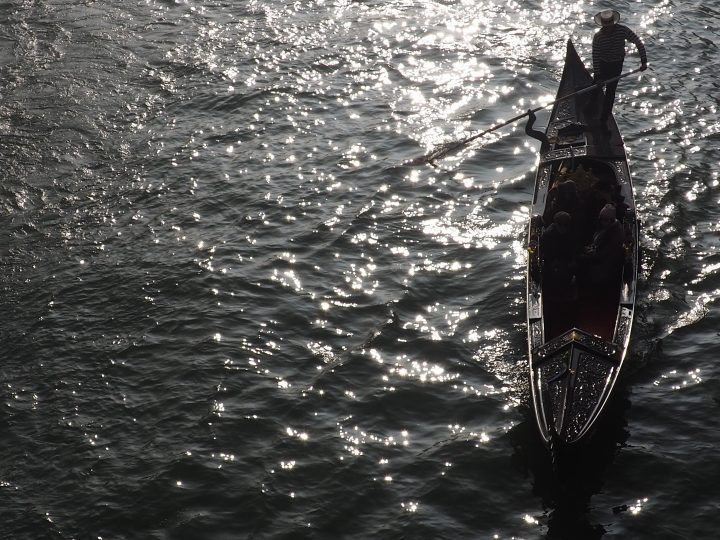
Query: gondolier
(608, 54)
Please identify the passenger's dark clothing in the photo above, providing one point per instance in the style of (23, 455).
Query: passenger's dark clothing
(605, 255)
(557, 253)
(596, 198)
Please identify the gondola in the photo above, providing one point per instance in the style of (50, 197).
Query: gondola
(578, 338)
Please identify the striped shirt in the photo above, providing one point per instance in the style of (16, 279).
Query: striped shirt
(609, 45)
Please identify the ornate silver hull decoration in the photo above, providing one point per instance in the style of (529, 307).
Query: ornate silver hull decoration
(573, 377)
(564, 153)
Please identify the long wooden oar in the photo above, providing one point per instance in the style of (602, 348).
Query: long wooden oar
(447, 148)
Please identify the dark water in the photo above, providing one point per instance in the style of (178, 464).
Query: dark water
(229, 311)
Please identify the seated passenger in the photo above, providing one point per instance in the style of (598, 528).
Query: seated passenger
(558, 257)
(599, 195)
(563, 198)
(604, 257)
(584, 179)
(620, 205)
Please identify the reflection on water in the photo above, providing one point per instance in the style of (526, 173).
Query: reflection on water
(566, 485)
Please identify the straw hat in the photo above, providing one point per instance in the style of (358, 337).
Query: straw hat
(607, 17)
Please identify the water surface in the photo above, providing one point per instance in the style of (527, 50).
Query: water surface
(230, 310)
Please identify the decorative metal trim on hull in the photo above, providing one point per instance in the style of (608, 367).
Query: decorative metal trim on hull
(573, 376)
(564, 153)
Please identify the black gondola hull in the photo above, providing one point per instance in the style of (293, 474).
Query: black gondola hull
(577, 345)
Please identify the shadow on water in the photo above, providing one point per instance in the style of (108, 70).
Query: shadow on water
(566, 487)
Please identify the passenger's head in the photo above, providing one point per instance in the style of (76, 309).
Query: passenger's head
(563, 220)
(608, 215)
